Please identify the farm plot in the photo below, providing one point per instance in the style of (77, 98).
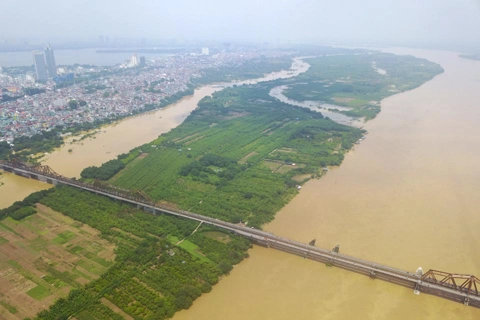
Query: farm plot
(43, 256)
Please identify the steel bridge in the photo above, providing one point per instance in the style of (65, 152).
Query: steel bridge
(457, 287)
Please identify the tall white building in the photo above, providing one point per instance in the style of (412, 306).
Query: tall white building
(134, 61)
(205, 51)
(40, 67)
(50, 60)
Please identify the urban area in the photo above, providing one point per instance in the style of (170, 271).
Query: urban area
(46, 96)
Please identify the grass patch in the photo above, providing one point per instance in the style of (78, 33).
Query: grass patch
(38, 244)
(39, 292)
(7, 228)
(15, 264)
(98, 260)
(85, 315)
(80, 274)
(217, 235)
(188, 246)
(192, 248)
(9, 307)
(57, 283)
(3, 240)
(76, 250)
(90, 267)
(64, 237)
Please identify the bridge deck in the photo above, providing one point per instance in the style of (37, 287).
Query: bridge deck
(266, 239)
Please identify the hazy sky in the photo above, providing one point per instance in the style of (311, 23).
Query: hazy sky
(371, 21)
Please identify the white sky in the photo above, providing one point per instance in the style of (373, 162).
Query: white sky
(367, 21)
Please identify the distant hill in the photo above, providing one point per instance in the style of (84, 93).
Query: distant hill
(470, 56)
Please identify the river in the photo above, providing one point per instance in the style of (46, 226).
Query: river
(406, 197)
(120, 138)
(324, 108)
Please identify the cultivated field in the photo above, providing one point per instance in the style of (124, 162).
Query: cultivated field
(42, 257)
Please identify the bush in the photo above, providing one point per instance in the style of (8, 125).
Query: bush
(22, 213)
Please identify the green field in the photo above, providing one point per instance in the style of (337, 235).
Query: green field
(190, 247)
(3, 240)
(216, 162)
(152, 277)
(352, 81)
(64, 237)
(39, 292)
(9, 307)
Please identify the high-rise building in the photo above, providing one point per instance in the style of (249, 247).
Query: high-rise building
(40, 67)
(134, 60)
(142, 61)
(50, 60)
(205, 51)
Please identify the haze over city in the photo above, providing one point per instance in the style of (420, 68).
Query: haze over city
(422, 23)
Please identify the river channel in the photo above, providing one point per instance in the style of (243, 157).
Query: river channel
(121, 137)
(406, 197)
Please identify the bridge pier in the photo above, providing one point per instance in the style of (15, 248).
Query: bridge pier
(416, 290)
(466, 301)
(329, 262)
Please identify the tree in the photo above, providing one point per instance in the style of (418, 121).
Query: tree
(73, 104)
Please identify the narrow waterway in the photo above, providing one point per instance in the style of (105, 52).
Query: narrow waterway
(121, 137)
(323, 108)
(406, 197)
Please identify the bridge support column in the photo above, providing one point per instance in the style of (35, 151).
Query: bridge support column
(417, 289)
(466, 301)
(329, 263)
(373, 275)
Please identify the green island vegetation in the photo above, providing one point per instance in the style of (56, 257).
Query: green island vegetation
(106, 171)
(5, 150)
(359, 81)
(239, 157)
(249, 69)
(154, 274)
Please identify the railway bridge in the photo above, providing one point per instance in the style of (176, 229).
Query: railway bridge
(462, 288)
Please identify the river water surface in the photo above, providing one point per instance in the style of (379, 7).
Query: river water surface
(406, 197)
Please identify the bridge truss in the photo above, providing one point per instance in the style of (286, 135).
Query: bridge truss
(46, 171)
(461, 282)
